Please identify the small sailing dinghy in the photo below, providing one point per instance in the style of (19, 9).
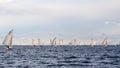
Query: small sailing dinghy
(61, 42)
(75, 42)
(93, 43)
(8, 40)
(39, 41)
(53, 42)
(105, 42)
(33, 42)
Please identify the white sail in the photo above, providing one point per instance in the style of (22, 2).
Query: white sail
(93, 43)
(8, 40)
(75, 42)
(71, 42)
(33, 42)
(39, 42)
(105, 42)
(53, 42)
(61, 42)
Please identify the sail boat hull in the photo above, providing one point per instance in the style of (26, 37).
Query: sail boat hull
(9, 48)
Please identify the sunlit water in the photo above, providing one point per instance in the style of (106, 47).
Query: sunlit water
(60, 57)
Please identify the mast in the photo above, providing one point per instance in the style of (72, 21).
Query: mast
(8, 40)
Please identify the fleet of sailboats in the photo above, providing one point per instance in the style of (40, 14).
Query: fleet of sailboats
(8, 40)
(9, 37)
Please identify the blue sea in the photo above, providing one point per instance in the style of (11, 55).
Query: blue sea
(60, 57)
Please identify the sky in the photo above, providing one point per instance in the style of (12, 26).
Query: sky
(64, 19)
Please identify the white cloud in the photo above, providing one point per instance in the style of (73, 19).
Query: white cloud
(6, 1)
(22, 11)
(113, 22)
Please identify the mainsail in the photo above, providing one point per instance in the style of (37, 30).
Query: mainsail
(75, 42)
(105, 42)
(39, 41)
(8, 39)
(53, 42)
(71, 42)
(93, 43)
(61, 42)
(33, 42)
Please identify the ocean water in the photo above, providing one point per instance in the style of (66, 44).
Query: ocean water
(60, 57)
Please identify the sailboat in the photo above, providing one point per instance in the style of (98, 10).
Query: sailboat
(71, 43)
(61, 42)
(53, 42)
(93, 43)
(75, 42)
(8, 40)
(33, 42)
(105, 42)
(39, 42)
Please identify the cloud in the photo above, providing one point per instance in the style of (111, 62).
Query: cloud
(81, 9)
(46, 12)
(39, 12)
(113, 22)
(6, 1)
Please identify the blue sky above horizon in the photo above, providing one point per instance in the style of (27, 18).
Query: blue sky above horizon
(67, 19)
